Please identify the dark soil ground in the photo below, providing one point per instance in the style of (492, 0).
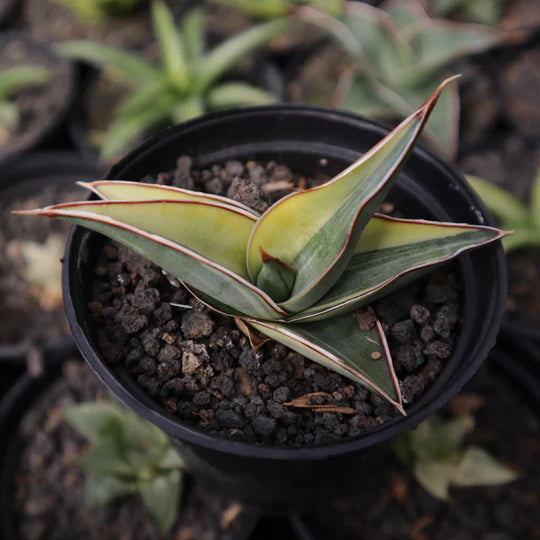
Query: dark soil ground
(49, 490)
(32, 312)
(38, 106)
(201, 367)
(396, 507)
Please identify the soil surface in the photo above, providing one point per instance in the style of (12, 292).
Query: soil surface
(38, 106)
(398, 507)
(31, 312)
(49, 491)
(201, 367)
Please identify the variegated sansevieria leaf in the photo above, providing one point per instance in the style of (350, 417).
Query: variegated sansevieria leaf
(122, 190)
(391, 253)
(200, 243)
(315, 231)
(340, 345)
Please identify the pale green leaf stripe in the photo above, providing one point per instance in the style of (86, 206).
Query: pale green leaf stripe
(172, 47)
(125, 63)
(392, 253)
(124, 190)
(315, 231)
(217, 281)
(342, 346)
(501, 203)
(213, 65)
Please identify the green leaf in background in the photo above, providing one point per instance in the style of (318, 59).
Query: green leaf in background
(94, 421)
(161, 494)
(478, 468)
(234, 94)
(128, 455)
(173, 52)
(126, 66)
(16, 78)
(435, 477)
(193, 32)
(316, 231)
(512, 213)
(400, 55)
(101, 490)
(340, 344)
(224, 56)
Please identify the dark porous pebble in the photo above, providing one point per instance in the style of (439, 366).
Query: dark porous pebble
(263, 425)
(248, 193)
(439, 349)
(202, 369)
(196, 324)
(445, 320)
(404, 332)
(420, 314)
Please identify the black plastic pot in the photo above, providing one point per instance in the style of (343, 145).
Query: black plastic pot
(24, 178)
(24, 395)
(306, 139)
(52, 134)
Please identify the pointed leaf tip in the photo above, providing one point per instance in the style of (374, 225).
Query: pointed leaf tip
(315, 230)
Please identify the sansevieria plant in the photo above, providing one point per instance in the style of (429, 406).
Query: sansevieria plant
(298, 272)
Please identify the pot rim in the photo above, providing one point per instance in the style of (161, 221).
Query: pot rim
(174, 426)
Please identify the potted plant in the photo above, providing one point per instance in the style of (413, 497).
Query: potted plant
(300, 137)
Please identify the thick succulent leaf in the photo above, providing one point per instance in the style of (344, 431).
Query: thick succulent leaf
(342, 346)
(18, 77)
(478, 468)
(142, 98)
(173, 53)
(9, 115)
(223, 57)
(199, 243)
(391, 253)
(361, 96)
(499, 201)
(125, 64)
(188, 108)
(315, 231)
(120, 190)
(161, 494)
(235, 94)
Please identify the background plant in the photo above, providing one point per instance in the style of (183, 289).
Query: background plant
(400, 55)
(297, 272)
(99, 10)
(279, 8)
(437, 453)
(13, 80)
(184, 86)
(128, 455)
(512, 213)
